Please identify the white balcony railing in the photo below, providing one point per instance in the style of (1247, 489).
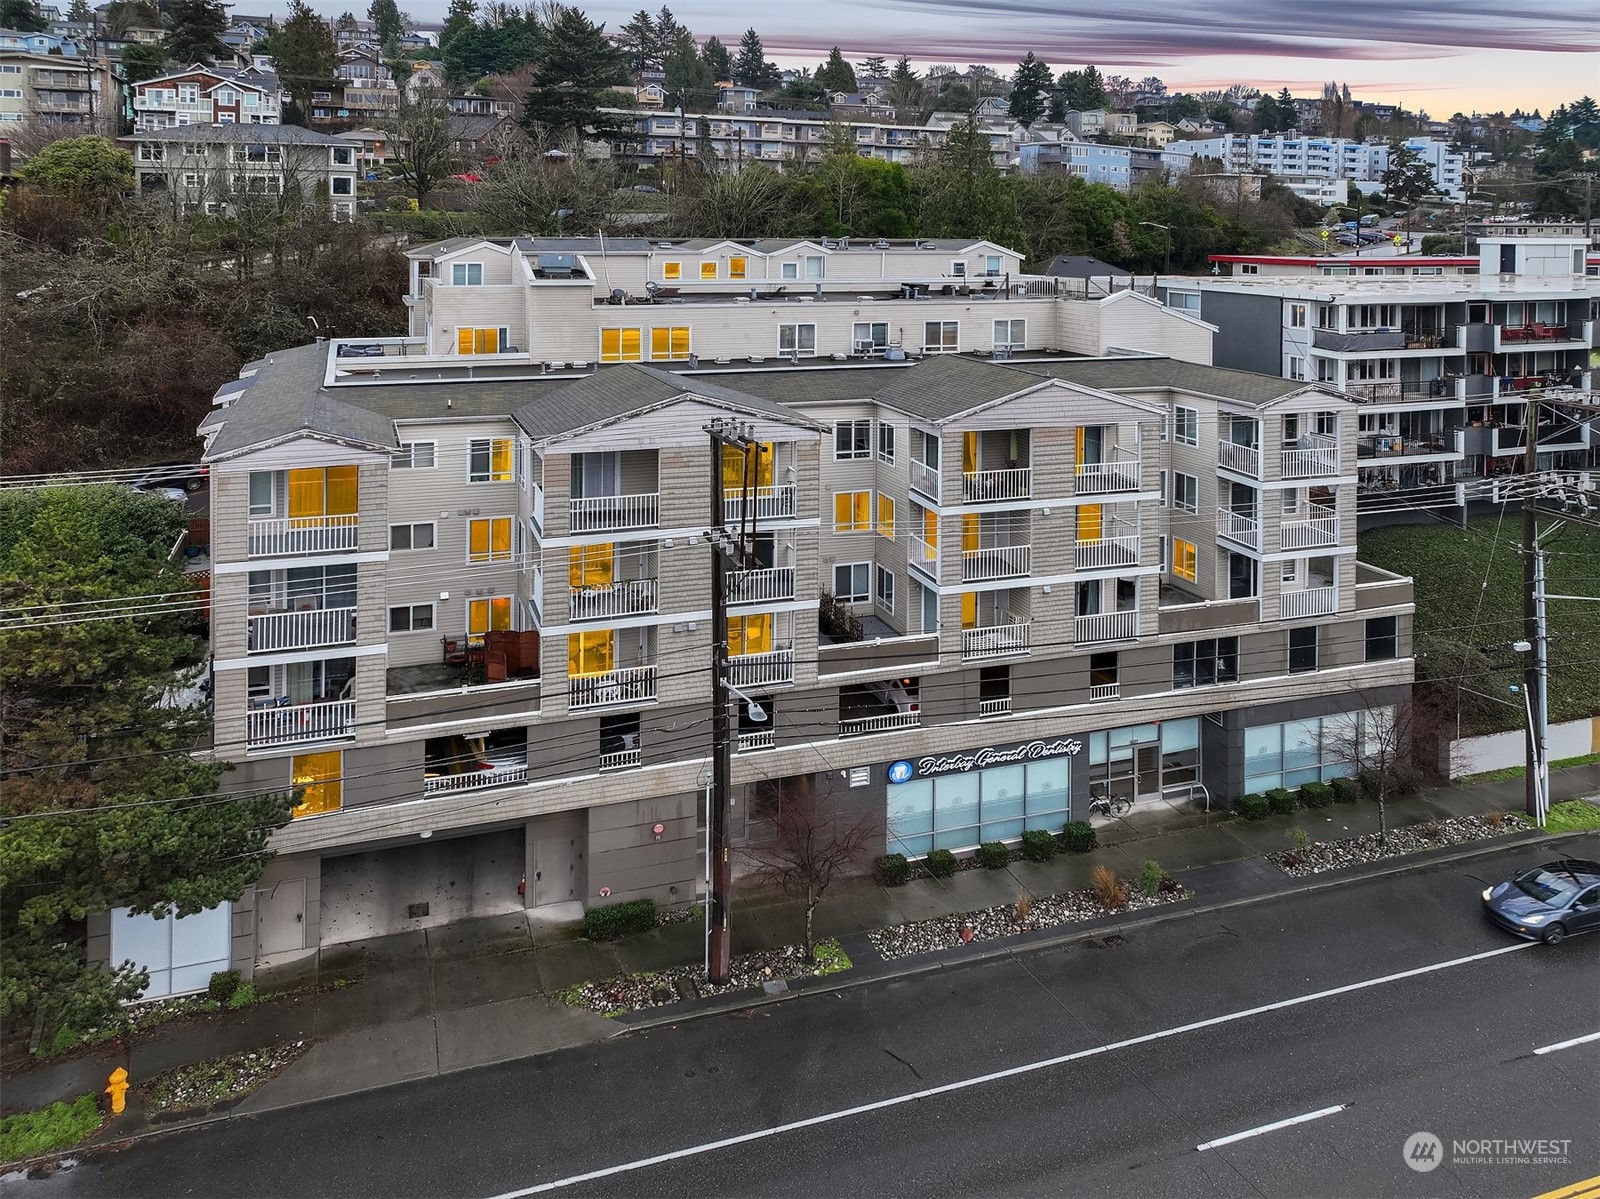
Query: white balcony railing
(765, 503)
(857, 726)
(1000, 706)
(1241, 459)
(621, 759)
(1321, 529)
(476, 780)
(980, 486)
(757, 739)
(762, 670)
(1312, 601)
(300, 722)
(595, 514)
(1101, 478)
(1240, 527)
(1106, 626)
(997, 562)
(1104, 691)
(767, 585)
(629, 685)
(538, 591)
(1320, 458)
(269, 631)
(995, 641)
(925, 478)
(287, 536)
(632, 597)
(1105, 552)
(923, 556)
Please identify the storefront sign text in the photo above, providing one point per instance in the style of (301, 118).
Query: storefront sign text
(991, 756)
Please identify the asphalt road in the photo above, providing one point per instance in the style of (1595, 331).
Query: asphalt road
(1117, 1062)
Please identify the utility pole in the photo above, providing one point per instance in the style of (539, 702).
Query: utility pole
(1532, 680)
(729, 550)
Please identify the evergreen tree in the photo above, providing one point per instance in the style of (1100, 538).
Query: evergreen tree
(873, 67)
(80, 13)
(671, 33)
(481, 50)
(905, 91)
(457, 20)
(387, 24)
(1069, 94)
(1093, 92)
(578, 67)
(689, 82)
(303, 54)
(1028, 86)
(347, 23)
(717, 59)
(195, 30)
(637, 41)
(836, 74)
(750, 65)
(963, 194)
(22, 16)
(1266, 114)
(1288, 113)
(141, 62)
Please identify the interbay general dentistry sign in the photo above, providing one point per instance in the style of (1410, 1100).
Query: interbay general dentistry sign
(1003, 755)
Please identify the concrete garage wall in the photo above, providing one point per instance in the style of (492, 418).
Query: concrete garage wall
(1497, 751)
(625, 855)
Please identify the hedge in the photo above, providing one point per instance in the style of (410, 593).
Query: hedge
(619, 919)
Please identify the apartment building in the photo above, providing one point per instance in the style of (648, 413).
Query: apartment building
(461, 588)
(1440, 355)
(1300, 155)
(57, 89)
(215, 168)
(202, 95)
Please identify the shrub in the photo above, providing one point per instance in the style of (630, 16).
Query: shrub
(1253, 806)
(1280, 800)
(55, 1127)
(1151, 875)
(1494, 819)
(940, 863)
(222, 986)
(1316, 795)
(1038, 845)
(995, 855)
(893, 869)
(1107, 887)
(1079, 836)
(619, 919)
(1345, 790)
(1299, 838)
(1022, 911)
(243, 997)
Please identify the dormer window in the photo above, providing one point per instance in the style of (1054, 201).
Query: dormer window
(466, 274)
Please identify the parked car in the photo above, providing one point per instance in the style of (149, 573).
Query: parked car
(172, 476)
(1347, 239)
(1549, 902)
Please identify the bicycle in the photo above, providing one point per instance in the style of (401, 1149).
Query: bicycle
(1102, 801)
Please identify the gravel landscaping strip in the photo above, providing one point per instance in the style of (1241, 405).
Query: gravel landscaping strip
(1319, 856)
(222, 1080)
(634, 992)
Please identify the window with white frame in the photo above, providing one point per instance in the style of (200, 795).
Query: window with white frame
(1297, 316)
(1186, 425)
(869, 337)
(489, 460)
(789, 270)
(1296, 368)
(941, 337)
(1249, 268)
(852, 582)
(1011, 335)
(885, 591)
(341, 185)
(466, 274)
(816, 266)
(886, 443)
(416, 455)
(958, 268)
(1184, 301)
(411, 618)
(797, 339)
(1185, 492)
(412, 537)
(852, 439)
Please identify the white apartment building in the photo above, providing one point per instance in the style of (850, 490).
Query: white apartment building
(1301, 155)
(201, 95)
(1441, 355)
(215, 168)
(461, 589)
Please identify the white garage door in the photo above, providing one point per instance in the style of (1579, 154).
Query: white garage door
(181, 954)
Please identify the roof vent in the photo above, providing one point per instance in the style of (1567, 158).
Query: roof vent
(665, 245)
(880, 244)
(927, 245)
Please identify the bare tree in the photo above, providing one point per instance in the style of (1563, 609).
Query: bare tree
(529, 191)
(420, 131)
(813, 840)
(1387, 748)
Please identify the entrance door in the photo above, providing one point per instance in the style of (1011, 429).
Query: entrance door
(1147, 771)
(281, 917)
(555, 867)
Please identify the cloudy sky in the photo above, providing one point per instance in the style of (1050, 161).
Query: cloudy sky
(1438, 55)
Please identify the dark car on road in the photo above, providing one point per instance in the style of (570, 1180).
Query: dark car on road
(190, 476)
(1548, 902)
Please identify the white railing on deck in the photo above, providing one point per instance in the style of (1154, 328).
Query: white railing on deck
(1106, 626)
(268, 631)
(631, 597)
(1106, 552)
(287, 536)
(1299, 533)
(593, 514)
(1240, 527)
(1312, 601)
(1015, 483)
(765, 503)
(1121, 473)
(630, 685)
(997, 562)
(858, 725)
(766, 585)
(1241, 459)
(473, 780)
(1320, 457)
(925, 478)
(995, 641)
(300, 722)
(761, 670)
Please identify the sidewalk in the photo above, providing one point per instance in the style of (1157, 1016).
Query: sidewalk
(451, 998)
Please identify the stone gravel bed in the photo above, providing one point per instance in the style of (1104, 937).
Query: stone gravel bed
(1320, 856)
(635, 992)
(991, 924)
(219, 1080)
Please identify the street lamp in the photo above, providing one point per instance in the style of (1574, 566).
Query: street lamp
(1166, 261)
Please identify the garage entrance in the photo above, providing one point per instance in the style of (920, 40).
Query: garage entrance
(423, 885)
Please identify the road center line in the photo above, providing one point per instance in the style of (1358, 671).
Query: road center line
(1273, 1127)
(1594, 1036)
(761, 1134)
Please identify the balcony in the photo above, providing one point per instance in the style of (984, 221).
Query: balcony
(997, 562)
(988, 709)
(1239, 527)
(600, 513)
(1317, 459)
(1100, 692)
(1104, 478)
(996, 486)
(1320, 527)
(291, 536)
(491, 773)
(1106, 626)
(627, 685)
(1119, 548)
(633, 597)
(995, 641)
(1240, 459)
(766, 585)
(758, 739)
(768, 669)
(1365, 341)
(272, 631)
(765, 503)
(292, 724)
(1313, 601)
(925, 478)
(859, 726)
(621, 759)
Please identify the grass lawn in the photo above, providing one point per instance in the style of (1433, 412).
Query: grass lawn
(1573, 816)
(1449, 568)
(28, 1134)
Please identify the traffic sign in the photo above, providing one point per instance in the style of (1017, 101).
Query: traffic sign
(1327, 233)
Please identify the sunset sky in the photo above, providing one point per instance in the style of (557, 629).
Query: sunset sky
(1439, 56)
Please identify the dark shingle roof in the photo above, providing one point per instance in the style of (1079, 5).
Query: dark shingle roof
(1141, 373)
(1083, 266)
(288, 398)
(945, 385)
(278, 135)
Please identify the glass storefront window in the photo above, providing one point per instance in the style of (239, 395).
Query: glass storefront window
(1299, 751)
(955, 810)
(911, 818)
(1003, 789)
(1048, 793)
(960, 811)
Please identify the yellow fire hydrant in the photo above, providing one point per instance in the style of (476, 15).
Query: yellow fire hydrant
(118, 1090)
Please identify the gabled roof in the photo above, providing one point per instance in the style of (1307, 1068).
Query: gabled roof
(1083, 266)
(289, 401)
(947, 384)
(617, 393)
(277, 135)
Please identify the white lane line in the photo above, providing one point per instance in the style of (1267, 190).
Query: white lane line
(760, 1134)
(1273, 1127)
(1594, 1036)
